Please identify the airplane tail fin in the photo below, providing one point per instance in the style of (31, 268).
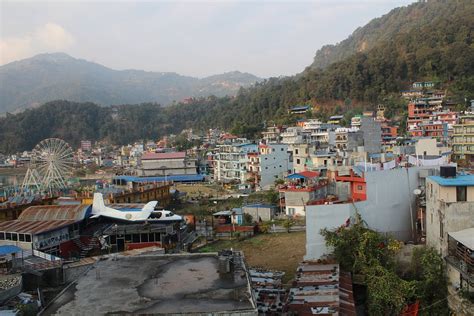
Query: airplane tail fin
(98, 204)
(150, 206)
(147, 209)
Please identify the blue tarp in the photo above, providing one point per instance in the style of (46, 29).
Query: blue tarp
(296, 176)
(9, 249)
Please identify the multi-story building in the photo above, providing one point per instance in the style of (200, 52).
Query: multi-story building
(348, 139)
(275, 162)
(372, 134)
(449, 206)
(272, 134)
(460, 271)
(463, 138)
(426, 118)
(230, 162)
(302, 156)
(389, 133)
(86, 145)
(295, 135)
(168, 163)
(300, 189)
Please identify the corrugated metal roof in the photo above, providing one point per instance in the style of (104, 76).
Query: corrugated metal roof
(33, 227)
(44, 218)
(54, 212)
(465, 237)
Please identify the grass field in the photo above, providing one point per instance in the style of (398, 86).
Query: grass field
(281, 252)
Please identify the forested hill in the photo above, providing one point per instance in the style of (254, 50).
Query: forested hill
(438, 48)
(49, 77)
(398, 21)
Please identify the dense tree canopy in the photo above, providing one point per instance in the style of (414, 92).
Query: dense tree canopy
(438, 47)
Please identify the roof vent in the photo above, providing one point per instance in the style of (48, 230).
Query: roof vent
(447, 171)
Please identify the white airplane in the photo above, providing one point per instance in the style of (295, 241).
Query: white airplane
(131, 212)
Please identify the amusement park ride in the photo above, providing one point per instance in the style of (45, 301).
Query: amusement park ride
(52, 161)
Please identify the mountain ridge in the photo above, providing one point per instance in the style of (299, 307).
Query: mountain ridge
(47, 77)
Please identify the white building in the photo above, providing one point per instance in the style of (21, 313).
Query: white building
(230, 162)
(449, 208)
(165, 164)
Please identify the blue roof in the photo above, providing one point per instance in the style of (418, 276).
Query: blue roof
(175, 177)
(460, 180)
(296, 176)
(9, 249)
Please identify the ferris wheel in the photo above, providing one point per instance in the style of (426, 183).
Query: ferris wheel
(52, 160)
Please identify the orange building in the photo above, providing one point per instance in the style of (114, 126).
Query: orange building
(357, 185)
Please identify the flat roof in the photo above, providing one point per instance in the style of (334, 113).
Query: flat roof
(260, 205)
(155, 284)
(465, 237)
(159, 156)
(176, 178)
(459, 180)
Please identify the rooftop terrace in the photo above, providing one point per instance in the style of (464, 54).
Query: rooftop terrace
(157, 284)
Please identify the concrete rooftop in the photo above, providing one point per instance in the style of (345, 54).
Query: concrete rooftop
(157, 284)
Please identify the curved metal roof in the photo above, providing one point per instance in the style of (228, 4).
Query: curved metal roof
(54, 212)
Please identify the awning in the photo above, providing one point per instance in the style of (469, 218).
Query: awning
(304, 175)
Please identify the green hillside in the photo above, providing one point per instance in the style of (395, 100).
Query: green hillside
(437, 47)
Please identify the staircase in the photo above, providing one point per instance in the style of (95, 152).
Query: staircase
(85, 247)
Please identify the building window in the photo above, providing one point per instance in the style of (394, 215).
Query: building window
(296, 151)
(461, 194)
(21, 237)
(359, 187)
(28, 238)
(297, 161)
(2, 236)
(8, 236)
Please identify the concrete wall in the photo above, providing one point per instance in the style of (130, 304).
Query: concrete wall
(7, 294)
(372, 134)
(389, 208)
(297, 199)
(274, 165)
(167, 167)
(72, 272)
(445, 215)
(265, 213)
(319, 217)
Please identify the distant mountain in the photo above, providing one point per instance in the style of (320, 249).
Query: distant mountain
(439, 47)
(42, 78)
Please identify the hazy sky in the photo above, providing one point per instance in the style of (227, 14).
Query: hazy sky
(266, 38)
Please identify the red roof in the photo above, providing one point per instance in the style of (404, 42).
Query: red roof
(309, 174)
(228, 136)
(158, 156)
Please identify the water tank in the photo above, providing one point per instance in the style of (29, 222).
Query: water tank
(447, 171)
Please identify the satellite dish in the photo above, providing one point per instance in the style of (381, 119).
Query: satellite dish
(417, 192)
